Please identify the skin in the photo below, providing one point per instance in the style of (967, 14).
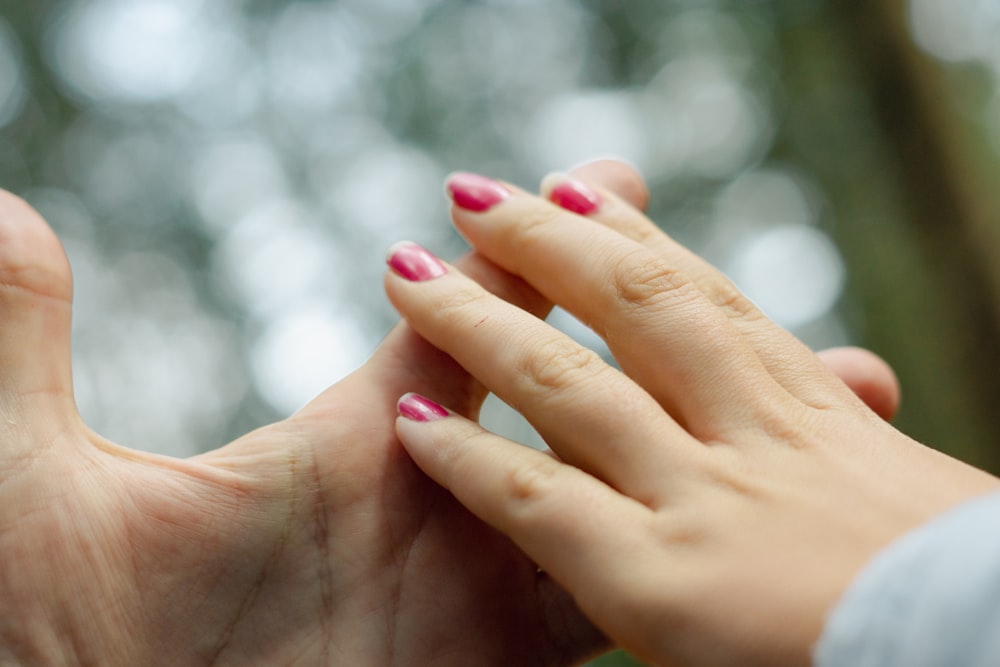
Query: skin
(311, 541)
(707, 504)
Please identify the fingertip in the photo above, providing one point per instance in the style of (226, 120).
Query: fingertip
(868, 375)
(417, 408)
(473, 192)
(413, 414)
(618, 176)
(414, 262)
(550, 181)
(35, 358)
(31, 256)
(570, 194)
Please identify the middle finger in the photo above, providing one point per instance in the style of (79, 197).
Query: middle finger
(661, 328)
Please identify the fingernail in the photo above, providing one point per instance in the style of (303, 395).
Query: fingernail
(575, 196)
(474, 192)
(420, 409)
(414, 262)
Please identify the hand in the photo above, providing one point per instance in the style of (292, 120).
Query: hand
(707, 504)
(313, 541)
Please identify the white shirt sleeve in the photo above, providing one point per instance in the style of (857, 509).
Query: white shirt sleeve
(932, 599)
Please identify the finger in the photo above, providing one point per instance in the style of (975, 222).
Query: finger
(35, 303)
(587, 412)
(407, 361)
(410, 362)
(783, 355)
(867, 375)
(572, 525)
(614, 176)
(661, 328)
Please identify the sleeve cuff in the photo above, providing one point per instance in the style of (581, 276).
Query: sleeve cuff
(931, 599)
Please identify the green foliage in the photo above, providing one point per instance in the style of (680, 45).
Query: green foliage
(616, 659)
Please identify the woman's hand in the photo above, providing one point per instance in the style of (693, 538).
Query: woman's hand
(708, 503)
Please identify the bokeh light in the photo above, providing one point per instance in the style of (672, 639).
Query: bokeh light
(227, 175)
(278, 151)
(12, 91)
(794, 274)
(958, 30)
(144, 51)
(305, 349)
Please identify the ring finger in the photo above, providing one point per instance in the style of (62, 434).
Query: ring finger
(562, 388)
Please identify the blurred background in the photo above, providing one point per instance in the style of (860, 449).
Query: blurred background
(226, 176)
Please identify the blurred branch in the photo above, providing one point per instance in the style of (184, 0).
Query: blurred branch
(942, 179)
(915, 221)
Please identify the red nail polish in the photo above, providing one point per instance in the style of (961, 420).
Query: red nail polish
(414, 262)
(575, 196)
(420, 409)
(474, 192)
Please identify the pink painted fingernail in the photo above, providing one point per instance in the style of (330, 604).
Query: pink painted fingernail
(575, 196)
(420, 409)
(474, 192)
(414, 262)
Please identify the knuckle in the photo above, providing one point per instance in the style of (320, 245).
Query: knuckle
(791, 425)
(530, 484)
(642, 280)
(458, 458)
(732, 301)
(680, 528)
(557, 364)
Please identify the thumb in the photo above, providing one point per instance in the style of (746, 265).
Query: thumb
(35, 302)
